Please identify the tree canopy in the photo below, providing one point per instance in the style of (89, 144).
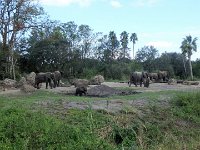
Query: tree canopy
(29, 41)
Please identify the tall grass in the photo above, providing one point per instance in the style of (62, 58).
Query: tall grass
(20, 129)
(151, 127)
(188, 106)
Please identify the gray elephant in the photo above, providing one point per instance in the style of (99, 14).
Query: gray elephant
(81, 90)
(153, 76)
(57, 78)
(163, 76)
(46, 77)
(139, 78)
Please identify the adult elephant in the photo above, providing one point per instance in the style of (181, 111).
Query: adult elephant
(46, 77)
(139, 78)
(57, 78)
(163, 76)
(153, 76)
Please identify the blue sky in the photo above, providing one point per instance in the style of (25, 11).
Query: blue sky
(161, 23)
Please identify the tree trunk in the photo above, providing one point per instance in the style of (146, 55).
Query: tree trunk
(190, 66)
(184, 66)
(13, 66)
(133, 52)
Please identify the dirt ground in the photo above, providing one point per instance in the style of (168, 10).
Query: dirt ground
(114, 105)
(152, 88)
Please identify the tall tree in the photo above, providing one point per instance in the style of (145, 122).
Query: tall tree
(16, 17)
(113, 44)
(85, 38)
(133, 39)
(124, 43)
(147, 55)
(189, 45)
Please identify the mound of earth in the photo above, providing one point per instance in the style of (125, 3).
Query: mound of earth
(104, 91)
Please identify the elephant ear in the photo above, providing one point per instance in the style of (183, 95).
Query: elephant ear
(144, 74)
(61, 72)
(52, 76)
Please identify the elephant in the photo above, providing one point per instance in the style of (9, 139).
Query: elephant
(153, 76)
(57, 77)
(81, 90)
(46, 77)
(139, 77)
(163, 76)
(146, 82)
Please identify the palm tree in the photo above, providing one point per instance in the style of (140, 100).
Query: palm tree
(189, 45)
(133, 39)
(124, 43)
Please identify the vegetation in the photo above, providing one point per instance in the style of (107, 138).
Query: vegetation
(43, 123)
(29, 41)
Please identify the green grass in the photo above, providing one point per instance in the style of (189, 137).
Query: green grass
(26, 125)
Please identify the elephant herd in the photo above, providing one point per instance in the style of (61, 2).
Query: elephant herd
(50, 78)
(145, 78)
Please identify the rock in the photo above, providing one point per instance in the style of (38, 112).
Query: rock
(180, 81)
(172, 81)
(21, 82)
(81, 83)
(190, 82)
(27, 88)
(30, 78)
(97, 80)
(9, 84)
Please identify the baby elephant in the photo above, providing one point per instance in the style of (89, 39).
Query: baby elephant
(80, 91)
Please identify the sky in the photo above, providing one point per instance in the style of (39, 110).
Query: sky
(160, 23)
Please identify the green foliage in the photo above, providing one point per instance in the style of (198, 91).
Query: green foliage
(124, 51)
(196, 68)
(49, 126)
(147, 56)
(188, 105)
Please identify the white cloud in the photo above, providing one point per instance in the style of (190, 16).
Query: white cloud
(82, 3)
(160, 44)
(115, 4)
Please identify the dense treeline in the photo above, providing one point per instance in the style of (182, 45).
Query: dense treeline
(78, 51)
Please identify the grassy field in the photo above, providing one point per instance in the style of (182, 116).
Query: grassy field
(173, 125)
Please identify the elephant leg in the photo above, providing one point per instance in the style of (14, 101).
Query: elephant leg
(46, 84)
(54, 84)
(58, 83)
(135, 84)
(129, 83)
(37, 86)
(50, 84)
